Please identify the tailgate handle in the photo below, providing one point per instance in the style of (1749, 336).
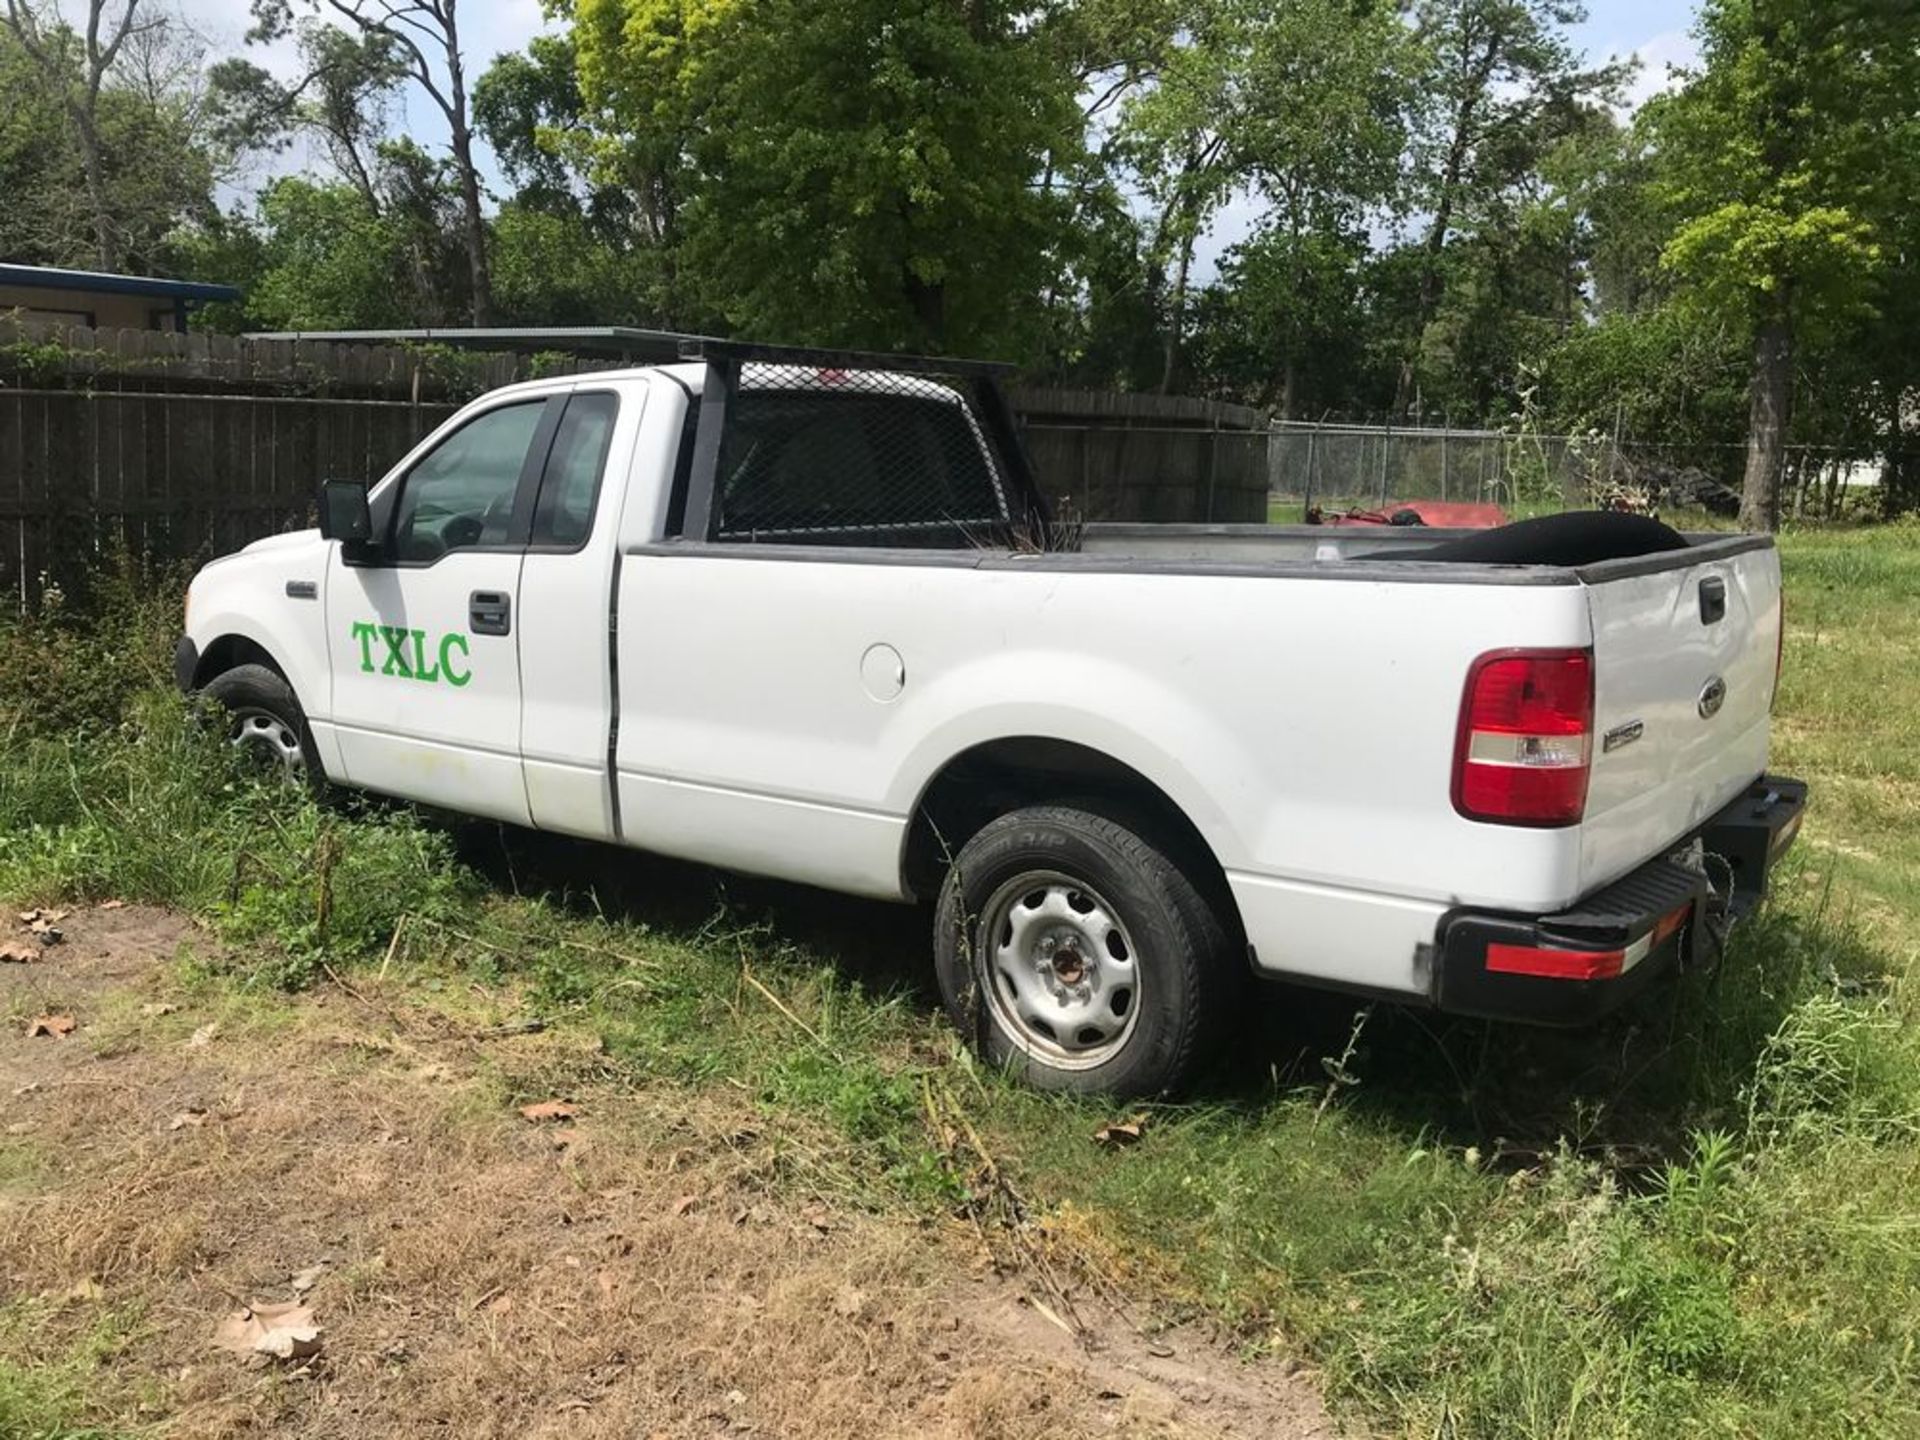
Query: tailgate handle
(1713, 600)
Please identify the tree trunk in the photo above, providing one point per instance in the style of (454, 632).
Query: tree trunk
(462, 137)
(928, 301)
(106, 243)
(1896, 478)
(1770, 409)
(475, 224)
(1177, 315)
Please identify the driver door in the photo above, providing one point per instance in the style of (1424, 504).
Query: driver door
(422, 641)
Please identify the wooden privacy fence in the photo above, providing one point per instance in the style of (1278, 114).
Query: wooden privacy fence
(174, 475)
(183, 447)
(1147, 457)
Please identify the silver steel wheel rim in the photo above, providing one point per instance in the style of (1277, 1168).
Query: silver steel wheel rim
(1059, 970)
(263, 736)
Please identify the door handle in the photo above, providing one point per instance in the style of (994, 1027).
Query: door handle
(490, 612)
(1713, 600)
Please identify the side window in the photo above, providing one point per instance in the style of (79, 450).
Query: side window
(797, 466)
(570, 485)
(461, 494)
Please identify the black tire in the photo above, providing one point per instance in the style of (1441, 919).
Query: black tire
(265, 720)
(1181, 967)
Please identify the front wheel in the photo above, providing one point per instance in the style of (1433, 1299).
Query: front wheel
(265, 722)
(1081, 954)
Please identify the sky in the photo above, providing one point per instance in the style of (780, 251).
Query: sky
(1657, 32)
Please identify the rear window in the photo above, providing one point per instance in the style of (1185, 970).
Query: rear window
(800, 466)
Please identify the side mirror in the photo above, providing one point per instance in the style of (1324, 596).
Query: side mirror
(344, 513)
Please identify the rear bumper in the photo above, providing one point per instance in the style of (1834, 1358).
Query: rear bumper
(1573, 967)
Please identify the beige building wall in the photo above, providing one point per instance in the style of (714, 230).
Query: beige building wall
(99, 309)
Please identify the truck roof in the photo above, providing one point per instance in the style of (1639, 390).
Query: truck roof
(692, 375)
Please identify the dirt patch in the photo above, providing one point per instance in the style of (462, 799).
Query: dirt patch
(654, 1267)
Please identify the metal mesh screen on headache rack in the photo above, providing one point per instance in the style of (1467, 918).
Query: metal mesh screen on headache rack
(815, 454)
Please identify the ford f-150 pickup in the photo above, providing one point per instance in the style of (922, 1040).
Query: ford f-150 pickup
(806, 614)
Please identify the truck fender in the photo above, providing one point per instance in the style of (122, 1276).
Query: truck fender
(1134, 731)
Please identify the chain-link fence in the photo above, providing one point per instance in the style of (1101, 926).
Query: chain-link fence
(1336, 468)
(1343, 467)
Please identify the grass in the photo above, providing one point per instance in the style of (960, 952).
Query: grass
(1697, 1219)
(58, 1399)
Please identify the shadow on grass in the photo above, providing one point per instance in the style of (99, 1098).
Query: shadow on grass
(1628, 1092)
(883, 947)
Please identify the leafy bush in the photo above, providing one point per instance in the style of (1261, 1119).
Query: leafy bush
(79, 662)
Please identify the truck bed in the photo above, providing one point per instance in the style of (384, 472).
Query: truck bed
(1328, 551)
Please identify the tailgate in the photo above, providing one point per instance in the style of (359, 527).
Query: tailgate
(1685, 651)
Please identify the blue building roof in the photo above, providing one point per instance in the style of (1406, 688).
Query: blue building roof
(45, 277)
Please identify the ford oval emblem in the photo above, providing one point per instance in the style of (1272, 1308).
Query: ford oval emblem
(1712, 696)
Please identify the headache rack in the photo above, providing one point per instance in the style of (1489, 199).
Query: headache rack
(801, 446)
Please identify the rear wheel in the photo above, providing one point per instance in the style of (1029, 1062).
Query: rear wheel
(265, 722)
(1080, 953)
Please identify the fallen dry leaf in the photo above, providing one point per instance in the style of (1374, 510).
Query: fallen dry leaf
(204, 1036)
(192, 1117)
(547, 1110)
(113, 904)
(16, 954)
(1116, 1133)
(26, 1089)
(156, 1008)
(816, 1216)
(304, 1280)
(270, 1332)
(58, 1026)
(685, 1203)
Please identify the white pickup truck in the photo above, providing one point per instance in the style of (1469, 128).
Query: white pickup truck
(806, 615)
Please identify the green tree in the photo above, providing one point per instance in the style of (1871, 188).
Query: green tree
(1780, 157)
(1178, 136)
(844, 171)
(1329, 88)
(578, 243)
(340, 98)
(317, 256)
(1284, 325)
(1502, 86)
(422, 37)
(102, 150)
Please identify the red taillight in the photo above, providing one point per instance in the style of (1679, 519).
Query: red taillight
(1526, 738)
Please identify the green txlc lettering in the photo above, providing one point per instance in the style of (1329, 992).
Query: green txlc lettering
(405, 655)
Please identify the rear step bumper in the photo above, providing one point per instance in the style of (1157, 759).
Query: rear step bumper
(1570, 968)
